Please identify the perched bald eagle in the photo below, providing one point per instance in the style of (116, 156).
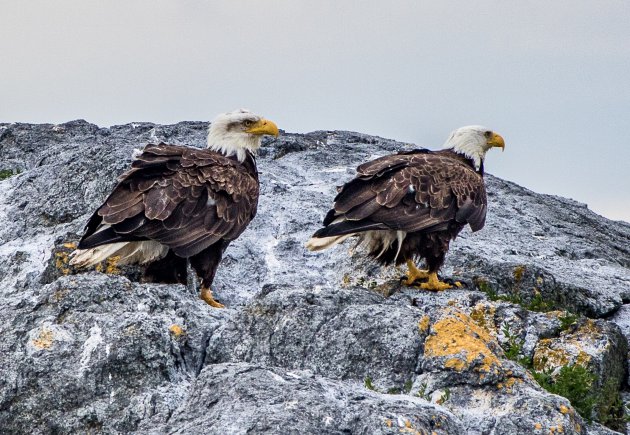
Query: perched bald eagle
(178, 203)
(411, 205)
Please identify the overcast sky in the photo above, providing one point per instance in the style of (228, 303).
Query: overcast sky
(552, 77)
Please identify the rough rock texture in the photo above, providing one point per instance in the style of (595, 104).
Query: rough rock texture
(226, 398)
(310, 343)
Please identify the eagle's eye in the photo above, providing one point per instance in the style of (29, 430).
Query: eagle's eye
(248, 123)
(487, 134)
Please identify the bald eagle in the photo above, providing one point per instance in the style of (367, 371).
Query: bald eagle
(177, 203)
(410, 205)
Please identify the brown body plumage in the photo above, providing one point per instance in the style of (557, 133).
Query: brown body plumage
(193, 202)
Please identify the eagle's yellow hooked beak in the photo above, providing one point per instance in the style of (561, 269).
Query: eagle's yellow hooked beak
(496, 141)
(264, 126)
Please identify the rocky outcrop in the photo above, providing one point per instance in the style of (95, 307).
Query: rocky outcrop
(309, 343)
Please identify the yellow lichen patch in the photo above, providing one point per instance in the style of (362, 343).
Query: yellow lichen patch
(568, 349)
(591, 329)
(518, 273)
(345, 281)
(388, 422)
(564, 409)
(464, 342)
(583, 358)
(451, 302)
(455, 364)
(546, 356)
(508, 385)
(408, 428)
(176, 330)
(554, 314)
(44, 340)
(59, 294)
(111, 265)
(483, 315)
(61, 262)
(423, 324)
(538, 426)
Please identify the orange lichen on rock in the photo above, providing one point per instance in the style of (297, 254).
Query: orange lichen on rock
(545, 355)
(464, 342)
(508, 384)
(61, 262)
(518, 273)
(44, 340)
(551, 353)
(483, 314)
(176, 330)
(423, 324)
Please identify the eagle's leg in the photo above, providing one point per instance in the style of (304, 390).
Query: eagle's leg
(168, 270)
(206, 295)
(205, 265)
(434, 283)
(414, 273)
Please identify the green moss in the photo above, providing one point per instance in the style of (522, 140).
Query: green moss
(514, 346)
(485, 287)
(405, 389)
(567, 320)
(573, 382)
(445, 397)
(611, 411)
(368, 383)
(539, 304)
(6, 173)
(422, 392)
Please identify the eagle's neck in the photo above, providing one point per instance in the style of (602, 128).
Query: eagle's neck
(249, 162)
(476, 164)
(229, 144)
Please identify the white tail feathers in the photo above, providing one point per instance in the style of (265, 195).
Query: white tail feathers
(129, 253)
(319, 244)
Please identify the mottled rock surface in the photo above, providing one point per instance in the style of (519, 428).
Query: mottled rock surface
(309, 343)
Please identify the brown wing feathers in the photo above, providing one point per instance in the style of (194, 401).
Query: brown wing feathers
(411, 192)
(184, 198)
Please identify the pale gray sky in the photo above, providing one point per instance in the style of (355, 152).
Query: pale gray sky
(552, 77)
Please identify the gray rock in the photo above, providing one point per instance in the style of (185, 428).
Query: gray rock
(99, 353)
(245, 398)
(303, 333)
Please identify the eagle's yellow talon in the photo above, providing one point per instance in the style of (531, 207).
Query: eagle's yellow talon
(435, 284)
(458, 284)
(206, 295)
(414, 273)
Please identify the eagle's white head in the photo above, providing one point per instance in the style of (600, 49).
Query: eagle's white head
(238, 131)
(474, 141)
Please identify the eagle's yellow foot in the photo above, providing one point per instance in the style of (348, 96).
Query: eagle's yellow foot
(414, 273)
(434, 283)
(206, 295)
